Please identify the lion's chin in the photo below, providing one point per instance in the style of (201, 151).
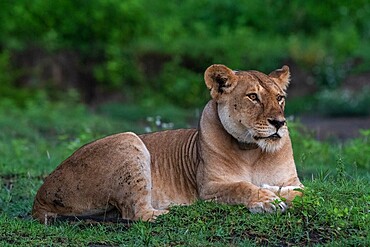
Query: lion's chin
(270, 145)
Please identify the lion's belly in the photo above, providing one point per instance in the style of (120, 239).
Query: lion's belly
(163, 199)
(173, 167)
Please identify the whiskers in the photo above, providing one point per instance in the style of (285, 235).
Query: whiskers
(268, 139)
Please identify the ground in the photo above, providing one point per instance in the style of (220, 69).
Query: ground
(341, 128)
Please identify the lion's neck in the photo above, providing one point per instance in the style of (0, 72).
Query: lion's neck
(211, 128)
(247, 146)
(220, 152)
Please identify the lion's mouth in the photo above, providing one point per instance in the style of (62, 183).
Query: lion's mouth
(274, 137)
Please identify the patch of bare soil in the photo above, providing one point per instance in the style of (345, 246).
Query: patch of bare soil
(341, 128)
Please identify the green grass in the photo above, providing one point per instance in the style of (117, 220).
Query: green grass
(333, 211)
(37, 137)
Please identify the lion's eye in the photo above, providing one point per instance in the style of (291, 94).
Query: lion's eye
(280, 98)
(253, 96)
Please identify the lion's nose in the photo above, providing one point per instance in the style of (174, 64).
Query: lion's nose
(276, 123)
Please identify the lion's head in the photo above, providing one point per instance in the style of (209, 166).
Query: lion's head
(251, 104)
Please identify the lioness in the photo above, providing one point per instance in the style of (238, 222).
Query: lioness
(240, 154)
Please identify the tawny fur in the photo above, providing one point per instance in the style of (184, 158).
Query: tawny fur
(238, 155)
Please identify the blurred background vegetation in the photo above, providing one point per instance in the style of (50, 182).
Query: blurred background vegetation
(156, 51)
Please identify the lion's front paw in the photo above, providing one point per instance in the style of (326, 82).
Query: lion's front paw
(286, 192)
(283, 189)
(266, 202)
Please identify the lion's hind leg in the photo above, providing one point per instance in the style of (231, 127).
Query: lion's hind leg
(43, 211)
(110, 173)
(134, 182)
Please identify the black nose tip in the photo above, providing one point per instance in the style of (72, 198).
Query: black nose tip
(276, 123)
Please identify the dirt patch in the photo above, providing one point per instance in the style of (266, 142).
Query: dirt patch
(342, 128)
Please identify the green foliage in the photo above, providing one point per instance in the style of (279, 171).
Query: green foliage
(344, 103)
(336, 209)
(89, 28)
(300, 105)
(7, 78)
(315, 157)
(36, 137)
(162, 47)
(357, 146)
(98, 32)
(182, 85)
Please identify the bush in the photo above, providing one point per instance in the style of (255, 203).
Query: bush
(136, 46)
(357, 146)
(315, 158)
(344, 103)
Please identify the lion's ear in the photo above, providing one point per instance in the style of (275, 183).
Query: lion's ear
(219, 79)
(281, 77)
